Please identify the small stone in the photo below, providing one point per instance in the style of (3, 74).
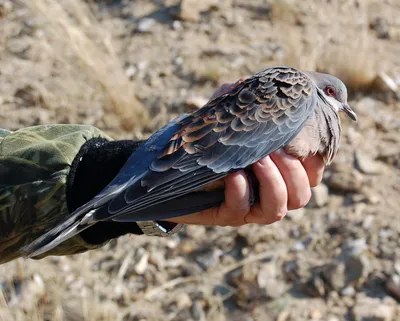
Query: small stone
(274, 288)
(381, 27)
(357, 269)
(198, 311)
(348, 291)
(385, 233)
(130, 71)
(142, 65)
(365, 164)
(374, 309)
(6, 7)
(177, 25)
(397, 266)
(346, 180)
(195, 102)
(195, 231)
(183, 301)
(354, 247)
(208, 258)
(142, 264)
(267, 271)
(320, 196)
(335, 274)
(315, 286)
(385, 83)
(315, 314)
(392, 286)
(157, 258)
(299, 246)
(145, 25)
(178, 61)
(296, 215)
(190, 10)
(368, 221)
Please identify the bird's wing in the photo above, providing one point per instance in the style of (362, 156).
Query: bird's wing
(256, 117)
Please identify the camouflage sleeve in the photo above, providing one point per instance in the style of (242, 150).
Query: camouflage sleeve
(34, 164)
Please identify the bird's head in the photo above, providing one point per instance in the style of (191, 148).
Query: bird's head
(333, 92)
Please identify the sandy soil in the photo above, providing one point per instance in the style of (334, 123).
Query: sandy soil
(127, 67)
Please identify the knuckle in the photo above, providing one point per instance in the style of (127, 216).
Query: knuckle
(231, 217)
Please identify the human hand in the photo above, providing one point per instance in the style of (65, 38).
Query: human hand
(284, 182)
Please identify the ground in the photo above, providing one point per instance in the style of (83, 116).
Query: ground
(127, 67)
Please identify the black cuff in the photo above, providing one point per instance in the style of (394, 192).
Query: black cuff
(96, 164)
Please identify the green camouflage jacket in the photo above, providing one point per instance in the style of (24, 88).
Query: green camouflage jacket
(34, 164)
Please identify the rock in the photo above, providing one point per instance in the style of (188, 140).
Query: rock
(177, 25)
(385, 83)
(195, 102)
(397, 266)
(345, 179)
(392, 286)
(145, 25)
(190, 10)
(374, 309)
(207, 258)
(196, 231)
(320, 196)
(130, 71)
(296, 215)
(335, 275)
(183, 301)
(348, 291)
(142, 264)
(349, 268)
(315, 286)
(357, 269)
(6, 7)
(157, 258)
(267, 279)
(365, 164)
(299, 246)
(353, 248)
(381, 27)
(198, 311)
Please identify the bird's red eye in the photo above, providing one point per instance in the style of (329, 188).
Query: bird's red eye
(330, 91)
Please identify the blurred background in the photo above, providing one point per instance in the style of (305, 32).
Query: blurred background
(127, 67)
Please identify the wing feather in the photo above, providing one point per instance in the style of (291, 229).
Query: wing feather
(256, 117)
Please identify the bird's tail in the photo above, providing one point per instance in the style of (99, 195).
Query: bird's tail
(62, 232)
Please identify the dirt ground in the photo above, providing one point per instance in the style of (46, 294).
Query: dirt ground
(129, 66)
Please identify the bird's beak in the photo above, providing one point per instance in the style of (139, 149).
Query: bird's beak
(346, 108)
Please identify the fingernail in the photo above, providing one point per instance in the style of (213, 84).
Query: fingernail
(266, 161)
(281, 153)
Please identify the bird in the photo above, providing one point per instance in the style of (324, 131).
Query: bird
(179, 170)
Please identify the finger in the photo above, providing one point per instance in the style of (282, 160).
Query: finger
(237, 192)
(314, 167)
(273, 194)
(295, 177)
(231, 212)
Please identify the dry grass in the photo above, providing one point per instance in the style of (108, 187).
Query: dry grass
(75, 29)
(334, 41)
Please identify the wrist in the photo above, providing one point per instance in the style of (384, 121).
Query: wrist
(93, 168)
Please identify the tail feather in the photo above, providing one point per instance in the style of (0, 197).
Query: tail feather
(71, 227)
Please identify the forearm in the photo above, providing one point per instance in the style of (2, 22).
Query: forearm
(45, 174)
